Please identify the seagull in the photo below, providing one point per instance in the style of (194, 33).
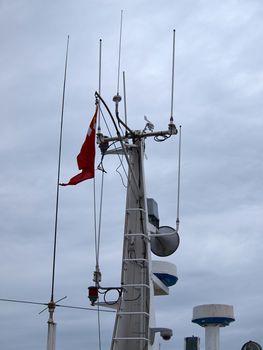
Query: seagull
(149, 125)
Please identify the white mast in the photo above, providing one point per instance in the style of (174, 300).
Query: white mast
(51, 338)
(133, 317)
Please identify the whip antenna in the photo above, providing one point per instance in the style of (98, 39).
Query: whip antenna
(179, 180)
(117, 97)
(51, 337)
(58, 174)
(172, 90)
(119, 58)
(100, 50)
(125, 100)
(97, 273)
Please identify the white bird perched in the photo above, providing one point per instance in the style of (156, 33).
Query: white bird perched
(149, 125)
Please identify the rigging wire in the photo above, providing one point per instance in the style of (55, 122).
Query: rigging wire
(120, 158)
(120, 139)
(114, 144)
(117, 170)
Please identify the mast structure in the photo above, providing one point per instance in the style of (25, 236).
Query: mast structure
(141, 278)
(134, 326)
(131, 330)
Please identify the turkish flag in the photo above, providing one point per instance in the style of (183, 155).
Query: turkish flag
(86, 157)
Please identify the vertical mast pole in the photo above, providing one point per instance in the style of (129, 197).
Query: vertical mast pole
(133, 317)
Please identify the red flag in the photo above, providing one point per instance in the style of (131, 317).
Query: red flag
(86, 157)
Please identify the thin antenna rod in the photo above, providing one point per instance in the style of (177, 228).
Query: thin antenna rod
(172, 92)
(125, 101)
(97, 234)
(97, 274)
(58, 176)
(119, 59)
(179, 179)
(100, 51)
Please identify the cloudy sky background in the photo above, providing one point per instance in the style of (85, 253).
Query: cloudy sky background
(218, 101)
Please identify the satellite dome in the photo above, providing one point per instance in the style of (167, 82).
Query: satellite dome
(251, 345)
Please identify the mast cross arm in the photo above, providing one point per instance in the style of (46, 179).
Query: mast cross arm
(138, 135)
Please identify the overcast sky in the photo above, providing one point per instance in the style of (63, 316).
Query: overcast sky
(218, 101)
